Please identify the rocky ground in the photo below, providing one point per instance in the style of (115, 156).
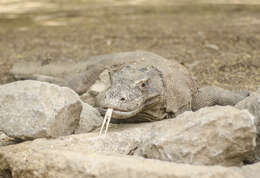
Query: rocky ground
(219, 141)
(218, 43)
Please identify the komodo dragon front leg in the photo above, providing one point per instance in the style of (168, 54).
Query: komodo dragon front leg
(210, 95)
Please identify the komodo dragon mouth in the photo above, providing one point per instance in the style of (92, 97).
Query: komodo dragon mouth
(121, 114)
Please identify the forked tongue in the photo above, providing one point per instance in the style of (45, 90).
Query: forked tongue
(106, 121)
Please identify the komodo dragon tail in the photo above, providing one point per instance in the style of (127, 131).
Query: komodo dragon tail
(37, 71)
(74, 75)
(210, 95)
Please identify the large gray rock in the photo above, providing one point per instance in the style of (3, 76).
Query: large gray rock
(90, 119)
(31, 163)
(210, 136)
(33, 109)
(216, 135)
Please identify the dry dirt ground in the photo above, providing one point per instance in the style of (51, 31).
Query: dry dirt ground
(219, 43)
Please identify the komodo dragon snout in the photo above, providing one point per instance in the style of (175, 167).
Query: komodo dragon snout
(133, 90)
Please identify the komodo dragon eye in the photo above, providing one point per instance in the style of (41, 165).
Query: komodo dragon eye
(143, 83)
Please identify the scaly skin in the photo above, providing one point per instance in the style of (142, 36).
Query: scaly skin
(139, 86)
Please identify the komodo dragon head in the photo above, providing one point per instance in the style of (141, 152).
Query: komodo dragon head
(135, 92)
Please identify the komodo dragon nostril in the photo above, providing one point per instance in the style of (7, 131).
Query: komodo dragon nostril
(123, 99)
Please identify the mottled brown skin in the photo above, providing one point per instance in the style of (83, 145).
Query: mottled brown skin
(139, 86)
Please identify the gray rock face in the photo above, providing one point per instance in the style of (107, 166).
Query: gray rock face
(33, 109)
(70, 164)
(249, 171)
(258, 90)
(90, 119)
(216, 135)
(210, 136)
(5, 140)
(3, 136)
(252, 104)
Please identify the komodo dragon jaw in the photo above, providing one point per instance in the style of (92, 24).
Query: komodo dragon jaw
(132, 90)
(123, 114)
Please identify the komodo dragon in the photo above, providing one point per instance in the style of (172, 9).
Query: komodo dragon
(138, 86)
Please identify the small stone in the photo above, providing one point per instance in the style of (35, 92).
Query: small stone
(212, 46)
(5, 140)
(90, 119)
(101, 84)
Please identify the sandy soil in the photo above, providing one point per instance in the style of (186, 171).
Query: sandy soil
(218, 43)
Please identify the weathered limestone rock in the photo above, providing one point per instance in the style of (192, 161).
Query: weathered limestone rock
(5, 140)
(60, 163)
(90, 119)
(210, 136)
(258, 90)
(252, 104)
(33, 109)
(3, 136)
(101, 84)
(249, 171)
